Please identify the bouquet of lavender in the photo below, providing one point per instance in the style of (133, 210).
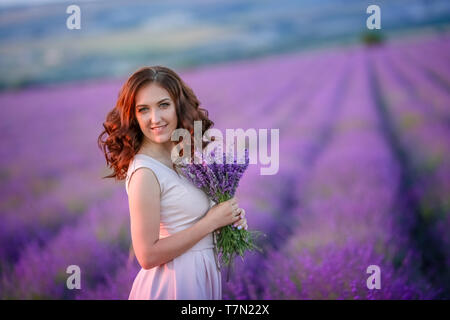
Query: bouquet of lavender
(220, 181)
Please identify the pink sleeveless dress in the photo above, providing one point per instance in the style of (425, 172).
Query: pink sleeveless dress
(195, 274)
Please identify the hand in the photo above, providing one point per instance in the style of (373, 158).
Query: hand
(242, 222)
(224, 213)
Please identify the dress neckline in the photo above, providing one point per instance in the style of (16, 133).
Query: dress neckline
(159, 162)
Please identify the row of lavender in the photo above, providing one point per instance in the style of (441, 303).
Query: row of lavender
(419, 130)
(52, 191)
(349, 215)
(333, 209)
(46, 179)
(352, 214)
(359, 202)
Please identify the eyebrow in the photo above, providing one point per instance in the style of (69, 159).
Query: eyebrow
(145, 105)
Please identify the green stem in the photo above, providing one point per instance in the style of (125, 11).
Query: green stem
(232, 241)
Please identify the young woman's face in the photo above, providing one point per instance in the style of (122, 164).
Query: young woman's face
(155, 108)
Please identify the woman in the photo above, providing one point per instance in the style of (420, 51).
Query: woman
(172, 221)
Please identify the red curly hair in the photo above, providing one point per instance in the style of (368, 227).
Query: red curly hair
(124, 136)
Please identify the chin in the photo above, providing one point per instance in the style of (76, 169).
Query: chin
(162, 139)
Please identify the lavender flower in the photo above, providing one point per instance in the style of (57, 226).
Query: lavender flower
(219, 181)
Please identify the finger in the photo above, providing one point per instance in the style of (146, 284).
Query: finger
(241, 222)
(238, 212)
(244, 225)
(242, 213)
(236, 219)
(241, 226)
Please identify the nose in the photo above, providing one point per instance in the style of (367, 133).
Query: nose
(155, 117)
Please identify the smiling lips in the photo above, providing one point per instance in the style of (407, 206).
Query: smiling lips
(158, 129)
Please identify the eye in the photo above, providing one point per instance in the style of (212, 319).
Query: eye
(164, 104)
(142, 109)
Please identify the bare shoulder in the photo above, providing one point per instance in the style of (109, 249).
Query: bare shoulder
(143, 181)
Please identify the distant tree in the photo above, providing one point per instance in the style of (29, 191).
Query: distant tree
(372, 38)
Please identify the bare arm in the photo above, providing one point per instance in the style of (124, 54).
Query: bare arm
(144, 201)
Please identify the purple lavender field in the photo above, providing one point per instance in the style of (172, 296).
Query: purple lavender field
(364, 178)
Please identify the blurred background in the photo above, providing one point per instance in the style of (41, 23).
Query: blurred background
(364, 119)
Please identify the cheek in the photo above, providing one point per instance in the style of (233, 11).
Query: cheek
(173, 117)
(142, 122)
(143, 119)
